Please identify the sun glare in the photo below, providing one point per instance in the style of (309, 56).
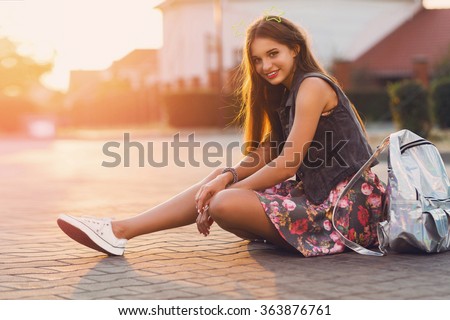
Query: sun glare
(80, 34)
(436, 4)
(87, 34)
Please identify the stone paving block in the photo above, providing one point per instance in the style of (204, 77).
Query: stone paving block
(217, 264)
(151, 278)
(170, 294)
(106, 294)
(182, 275)
(163, 269)
(217, 296)
(44, 284)
(230, 257)
(32, 264)
(80, 261)
(190, 262)
(186, 283)
(202, 290)
(112, 277)
(184, 255)
(14, 278)
(25, 271)
(209, 281)
(70, 268)
(168, 285)
(243, 277)
(149, 265)
(48, 297)
(34, 293)
(41, 262)
(211, 272)
(58, 276)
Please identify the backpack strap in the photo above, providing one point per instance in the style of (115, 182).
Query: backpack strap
(350, 244)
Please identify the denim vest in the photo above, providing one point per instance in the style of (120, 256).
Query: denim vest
(339, 147)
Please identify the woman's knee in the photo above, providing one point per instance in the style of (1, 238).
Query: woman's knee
(220, 207)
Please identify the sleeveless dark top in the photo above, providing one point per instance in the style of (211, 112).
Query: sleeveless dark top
(339, 147)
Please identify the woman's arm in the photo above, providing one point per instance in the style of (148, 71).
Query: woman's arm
(254, 161)
(313, 96)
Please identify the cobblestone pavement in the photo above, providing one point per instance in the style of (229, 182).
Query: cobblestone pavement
(41, 179)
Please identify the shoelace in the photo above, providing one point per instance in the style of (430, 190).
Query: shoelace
(101, 222)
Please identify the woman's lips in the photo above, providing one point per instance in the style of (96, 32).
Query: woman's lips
(272, 74)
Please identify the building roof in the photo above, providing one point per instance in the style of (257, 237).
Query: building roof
(138, 57)
(425, 36)
(83, 78)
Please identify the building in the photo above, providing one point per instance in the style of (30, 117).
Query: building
(410, 51)
(340, 30)
(126, 91)
(140, 67)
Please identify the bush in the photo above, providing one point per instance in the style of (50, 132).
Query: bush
(442, 68)
(440, 99)
(372, 104)
(409, 106)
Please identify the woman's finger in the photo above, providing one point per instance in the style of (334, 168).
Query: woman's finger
(207, 197)
(199, 224)
(198, 196)
(204, 197)
(203, 224)
(199, 227)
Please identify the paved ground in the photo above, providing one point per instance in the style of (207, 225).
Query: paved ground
(41, 179)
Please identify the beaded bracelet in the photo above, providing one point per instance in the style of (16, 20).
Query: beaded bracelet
(233, 172)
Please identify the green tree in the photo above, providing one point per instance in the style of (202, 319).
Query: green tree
(18, 75)
(440, 100)
(442, 68)
(410, 106)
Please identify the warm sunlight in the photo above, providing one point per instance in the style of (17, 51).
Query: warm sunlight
(436, 4)
(86, 34)
(80, 34)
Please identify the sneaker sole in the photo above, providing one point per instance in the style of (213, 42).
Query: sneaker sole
(84, 235)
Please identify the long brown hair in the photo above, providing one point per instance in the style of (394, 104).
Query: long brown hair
(258, 97)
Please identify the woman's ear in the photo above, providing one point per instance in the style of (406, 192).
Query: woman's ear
(297, 49)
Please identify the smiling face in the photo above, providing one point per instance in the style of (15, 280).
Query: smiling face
(273, 61)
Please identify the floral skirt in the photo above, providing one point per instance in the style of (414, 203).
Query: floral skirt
(308, 228)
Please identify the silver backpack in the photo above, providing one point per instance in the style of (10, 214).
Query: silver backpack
(417, 198)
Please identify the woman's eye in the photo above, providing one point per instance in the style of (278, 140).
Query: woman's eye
(272, 54)
(256, 61)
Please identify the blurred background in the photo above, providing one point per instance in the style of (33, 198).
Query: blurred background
(78, 74)
(73, 65)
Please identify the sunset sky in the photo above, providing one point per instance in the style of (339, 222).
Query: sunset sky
(86, 34)
(80, 34)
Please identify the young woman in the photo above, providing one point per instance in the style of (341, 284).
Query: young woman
(298, 122)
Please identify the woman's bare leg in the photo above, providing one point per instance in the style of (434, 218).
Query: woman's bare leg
(176, 212)
(240, 212)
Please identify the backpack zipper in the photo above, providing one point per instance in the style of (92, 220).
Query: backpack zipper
(414, 144)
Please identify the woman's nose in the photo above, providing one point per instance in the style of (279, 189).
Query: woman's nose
(267, 65)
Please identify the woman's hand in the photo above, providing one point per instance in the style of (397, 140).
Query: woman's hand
(206, 191)
(203, 198)
(204, 222)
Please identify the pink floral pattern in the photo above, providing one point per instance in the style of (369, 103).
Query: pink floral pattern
(308, 227)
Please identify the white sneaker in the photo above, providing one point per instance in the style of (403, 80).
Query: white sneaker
(95, 233)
